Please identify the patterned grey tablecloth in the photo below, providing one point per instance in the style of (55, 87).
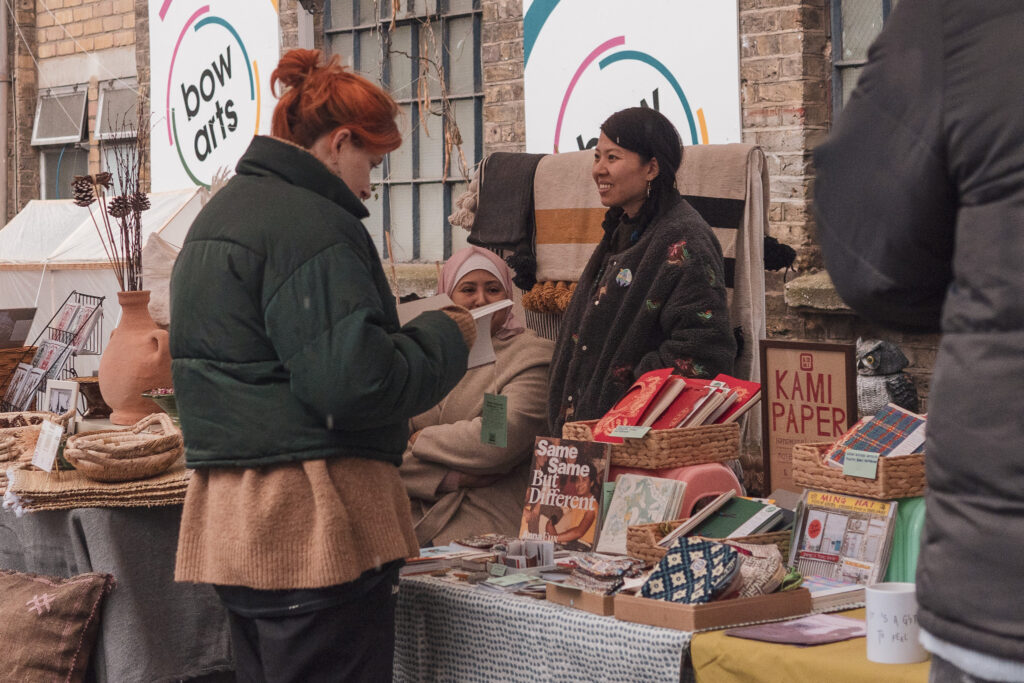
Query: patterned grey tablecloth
(152, 629)
(451, 632)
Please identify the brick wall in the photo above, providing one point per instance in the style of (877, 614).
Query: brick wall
(89, 25)
(501, 44)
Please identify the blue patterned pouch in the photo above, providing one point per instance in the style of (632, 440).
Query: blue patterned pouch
(693, 571)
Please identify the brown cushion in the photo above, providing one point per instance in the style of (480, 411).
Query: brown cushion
(48, 625)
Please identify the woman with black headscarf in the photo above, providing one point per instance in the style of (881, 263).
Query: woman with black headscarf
(653, 293)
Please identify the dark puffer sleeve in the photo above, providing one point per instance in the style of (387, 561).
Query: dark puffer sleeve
(884, 202)
(348, 362)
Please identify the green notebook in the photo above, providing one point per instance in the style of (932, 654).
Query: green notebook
(728, 518)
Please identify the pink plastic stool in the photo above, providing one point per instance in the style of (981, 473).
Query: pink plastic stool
(702, 481)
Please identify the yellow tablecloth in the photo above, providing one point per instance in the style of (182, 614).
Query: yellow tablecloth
(718, 657)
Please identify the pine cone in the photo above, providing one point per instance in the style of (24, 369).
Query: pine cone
(140, 202)
(81, 190)
(104, 179)
(120, 206)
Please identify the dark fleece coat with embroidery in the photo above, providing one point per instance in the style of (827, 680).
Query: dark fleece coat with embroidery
(660, 303)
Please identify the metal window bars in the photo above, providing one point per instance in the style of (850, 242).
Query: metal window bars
(75, 329)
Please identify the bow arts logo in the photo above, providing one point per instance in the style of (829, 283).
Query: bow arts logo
(213, 96)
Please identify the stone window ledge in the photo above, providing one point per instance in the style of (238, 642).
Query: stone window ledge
(815, 293)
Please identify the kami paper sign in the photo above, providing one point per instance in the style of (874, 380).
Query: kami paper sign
(630, 431)
(47, 445)
(494, 421)
(860, 464)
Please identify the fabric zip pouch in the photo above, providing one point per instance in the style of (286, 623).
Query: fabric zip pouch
(762, 568)
(693, 571)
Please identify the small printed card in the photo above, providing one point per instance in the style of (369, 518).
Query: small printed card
(47, 446)
(494, 421)
(860, 464)
(630, 431)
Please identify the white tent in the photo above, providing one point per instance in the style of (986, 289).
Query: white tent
(51, 248)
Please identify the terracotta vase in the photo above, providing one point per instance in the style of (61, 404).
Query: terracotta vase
(137, 358)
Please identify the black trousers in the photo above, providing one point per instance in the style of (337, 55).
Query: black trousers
(338, 633)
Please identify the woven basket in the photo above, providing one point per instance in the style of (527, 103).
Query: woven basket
(126, 454)
(642, 540)
(661, 448)
(898, 476)
(17, 441)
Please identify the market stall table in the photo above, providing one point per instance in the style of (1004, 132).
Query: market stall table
(718, 657)
(151, 628)
(454, 631)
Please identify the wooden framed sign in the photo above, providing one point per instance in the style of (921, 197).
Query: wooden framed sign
(809, 395)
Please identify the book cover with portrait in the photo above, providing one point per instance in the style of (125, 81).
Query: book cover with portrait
(563, 498)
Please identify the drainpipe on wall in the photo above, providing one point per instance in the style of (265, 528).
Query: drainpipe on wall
(5, 88)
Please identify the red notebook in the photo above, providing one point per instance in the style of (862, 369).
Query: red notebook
(747, 396)
(696, 392)
(630, 408)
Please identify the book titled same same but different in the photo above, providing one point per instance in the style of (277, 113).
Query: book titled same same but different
(578, 500)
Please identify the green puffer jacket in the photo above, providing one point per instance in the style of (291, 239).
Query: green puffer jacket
(284, 337)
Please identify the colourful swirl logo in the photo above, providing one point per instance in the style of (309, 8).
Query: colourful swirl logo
(213, 95)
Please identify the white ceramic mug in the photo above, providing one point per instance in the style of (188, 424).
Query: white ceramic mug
(892, 631)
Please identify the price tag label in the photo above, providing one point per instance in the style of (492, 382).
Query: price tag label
(47, 446)
(494, 421)
(860, 464)
(630, 431)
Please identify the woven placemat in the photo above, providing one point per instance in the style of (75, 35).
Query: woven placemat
(64, 490)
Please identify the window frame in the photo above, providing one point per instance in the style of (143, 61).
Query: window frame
(440, 14)
(55, 94)
(105, 89)
(839, 65)
(45, 184)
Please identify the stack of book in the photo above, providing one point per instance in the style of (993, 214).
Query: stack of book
(730, 516)
(842, 539)
(638, 500)
(661, 400)
(890, 431)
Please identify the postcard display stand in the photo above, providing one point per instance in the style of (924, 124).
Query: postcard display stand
(75, 329)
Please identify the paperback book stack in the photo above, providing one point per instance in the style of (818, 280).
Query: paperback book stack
(661, 400)
(638, 499)
(840, 544)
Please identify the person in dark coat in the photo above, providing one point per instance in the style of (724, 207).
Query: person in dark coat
(653, 293)
(295, 384)
(920, 204)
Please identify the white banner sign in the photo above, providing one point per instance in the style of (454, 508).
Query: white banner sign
(210, 84)
(586, 59)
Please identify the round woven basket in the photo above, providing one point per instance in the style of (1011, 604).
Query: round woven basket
(20, 431)
(126, 454)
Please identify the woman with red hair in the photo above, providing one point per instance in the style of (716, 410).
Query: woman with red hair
(295, 384)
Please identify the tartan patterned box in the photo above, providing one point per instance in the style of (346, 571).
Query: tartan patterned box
(898, 476)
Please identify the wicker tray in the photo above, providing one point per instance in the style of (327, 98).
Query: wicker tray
(126, 454)
(16, 441)
(899, 476)
(642, 540)
(661, 448)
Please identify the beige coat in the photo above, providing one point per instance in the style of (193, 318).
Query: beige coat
(451, 440)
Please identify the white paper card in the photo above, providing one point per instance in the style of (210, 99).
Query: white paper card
(47, 445)
(630, 431)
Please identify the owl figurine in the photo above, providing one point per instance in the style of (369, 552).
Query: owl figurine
(880, 377)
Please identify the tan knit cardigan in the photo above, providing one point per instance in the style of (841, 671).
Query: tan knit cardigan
(450, 439)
